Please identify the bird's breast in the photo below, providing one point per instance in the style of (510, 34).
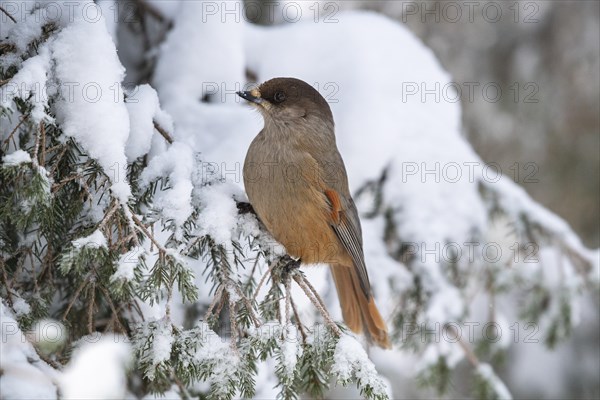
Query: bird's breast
(284, 187)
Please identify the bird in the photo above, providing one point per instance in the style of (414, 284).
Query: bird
(297, 183)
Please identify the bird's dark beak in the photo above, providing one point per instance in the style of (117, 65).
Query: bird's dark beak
(252, 96)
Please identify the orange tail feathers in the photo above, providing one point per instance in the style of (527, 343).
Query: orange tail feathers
(360, 313)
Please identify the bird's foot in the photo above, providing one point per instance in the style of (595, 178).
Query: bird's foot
(287, 267)
(290, 264)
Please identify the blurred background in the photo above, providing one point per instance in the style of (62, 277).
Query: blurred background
(529, 77)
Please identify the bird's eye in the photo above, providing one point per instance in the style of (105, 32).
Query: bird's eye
(279, 97)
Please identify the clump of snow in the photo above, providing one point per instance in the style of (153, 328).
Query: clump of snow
(97, 369)
(143, 108)
(126, 265)
(20, 307)
(163, 342)
(94, 241)
(91, 107)
(26, 30)
(16, 158)
(24, 374)
(177, 163)
(30, 84)
(218, 213)
(487, 373)
(351, 361)
(290, 350)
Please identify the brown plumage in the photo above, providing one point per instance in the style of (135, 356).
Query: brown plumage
(297, 183)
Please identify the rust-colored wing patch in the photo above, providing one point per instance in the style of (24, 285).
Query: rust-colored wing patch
(336, 205)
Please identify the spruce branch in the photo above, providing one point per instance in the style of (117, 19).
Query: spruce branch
(247, 303)
(76, 295)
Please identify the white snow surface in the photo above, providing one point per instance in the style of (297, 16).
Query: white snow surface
(94, 241)
(24, 374)
(30, 81)
(351, 360)
(16, 158)
(91, 109)
(97, 369)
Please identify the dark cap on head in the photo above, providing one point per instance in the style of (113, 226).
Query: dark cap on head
(289, 98)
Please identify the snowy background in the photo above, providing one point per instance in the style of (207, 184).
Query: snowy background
(433, 211)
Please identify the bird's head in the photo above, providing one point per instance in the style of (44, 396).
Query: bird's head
(289, 100)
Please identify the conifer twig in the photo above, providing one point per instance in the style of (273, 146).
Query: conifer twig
(113, 308)
(90, 310)
(213, 303)
(288, 300)
(23, 119)
(76, 296)
(248, 305)
(469, 354)
(233, 323)
(314, 291)
(317, 303)
(298, 321)
(262, 280)
(144, 230)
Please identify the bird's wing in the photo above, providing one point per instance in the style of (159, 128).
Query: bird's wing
(346, 225)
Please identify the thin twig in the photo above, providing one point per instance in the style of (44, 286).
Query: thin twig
(213, 303)
(76, 296)
(108, 215)
(113, 308)
(288, 300)
(169, 292)
(262, 280)
(90, 310)
(318, 304)
(298, 321)
(233, 323)
(467, 350)
(23, 119)
(140, 225)
(8, 15)
(42, 160)
(314, 291)
(163, 132)
(247, 303)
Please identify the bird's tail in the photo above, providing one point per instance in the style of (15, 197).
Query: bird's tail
(360, 313)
